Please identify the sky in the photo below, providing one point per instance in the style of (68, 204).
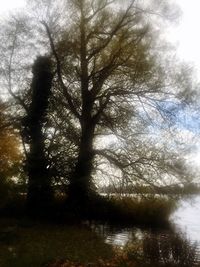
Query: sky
(187, 38)
(6, 5)
(186, 35)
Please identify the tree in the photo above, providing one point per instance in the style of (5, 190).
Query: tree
(113, 88)
(29, 101)
(39, 180)
(112, 83)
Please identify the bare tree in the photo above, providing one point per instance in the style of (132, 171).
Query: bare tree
(111, 80)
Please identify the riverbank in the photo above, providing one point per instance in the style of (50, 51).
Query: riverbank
(26, 242)
(31, 243)
(61, 241)
(35, 244)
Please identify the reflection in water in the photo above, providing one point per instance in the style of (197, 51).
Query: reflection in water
(165, 248)
(170, 249)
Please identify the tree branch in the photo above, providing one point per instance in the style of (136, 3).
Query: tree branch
(119, 25)
(97, 116)
(59, 72)
(16, 97)
(107, 3)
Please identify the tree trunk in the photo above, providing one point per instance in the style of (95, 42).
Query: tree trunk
(80, 183)
(39, 181)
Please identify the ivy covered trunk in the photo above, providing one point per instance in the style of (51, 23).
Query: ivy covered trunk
(39, 180)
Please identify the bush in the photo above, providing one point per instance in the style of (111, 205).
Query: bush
(6, 193)
(11, 202)
(147, 210)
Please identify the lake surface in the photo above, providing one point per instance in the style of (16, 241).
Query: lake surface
(187, 218)
(179, 245)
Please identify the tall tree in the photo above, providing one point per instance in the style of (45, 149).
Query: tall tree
(111, 83)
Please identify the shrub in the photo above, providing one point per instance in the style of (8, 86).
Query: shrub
(147, 210)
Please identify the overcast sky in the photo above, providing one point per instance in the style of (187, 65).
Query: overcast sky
(10, 4)
(186, 35)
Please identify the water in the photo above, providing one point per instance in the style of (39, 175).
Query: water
(187, 218)
(178, 245)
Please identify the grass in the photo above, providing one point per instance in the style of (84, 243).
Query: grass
(27, 243)
(34, 244)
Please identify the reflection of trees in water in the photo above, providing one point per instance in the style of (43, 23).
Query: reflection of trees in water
(169, 250)
(152, 248)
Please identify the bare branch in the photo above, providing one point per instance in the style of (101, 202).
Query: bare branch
(107, 3)
(114, 31)
(102, 107)
(59, 72)
(16, 97)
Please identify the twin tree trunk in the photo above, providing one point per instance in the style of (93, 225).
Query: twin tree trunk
(39, 181)
(40, 192)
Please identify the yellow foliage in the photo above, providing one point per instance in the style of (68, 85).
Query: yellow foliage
(10, 154)
(9, 149)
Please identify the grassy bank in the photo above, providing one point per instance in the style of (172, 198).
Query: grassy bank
(34, 244)
(28, 243)
(53, 242)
